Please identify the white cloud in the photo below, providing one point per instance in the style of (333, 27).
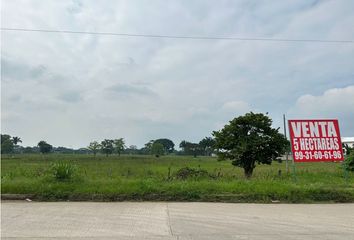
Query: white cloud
(72, 89)
(336, 103)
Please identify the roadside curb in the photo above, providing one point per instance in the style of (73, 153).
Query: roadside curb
(220, 198)
(16, 196)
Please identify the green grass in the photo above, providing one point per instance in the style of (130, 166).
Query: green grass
(148, 178)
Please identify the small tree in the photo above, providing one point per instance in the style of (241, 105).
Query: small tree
(94, 147)
(157, 149)
(147, 147)
(44, 147)
(119, 145)
(107, 146)
(207, 144)
(248, 140)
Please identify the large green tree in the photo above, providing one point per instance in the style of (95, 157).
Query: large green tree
(189, 148)
(107, 146)
(157, 149)
(207, 144)
(248, 140)
(167, 144)
(94, 147)
(7, 144)
(147, 147)
(45, 147)
(119, 145)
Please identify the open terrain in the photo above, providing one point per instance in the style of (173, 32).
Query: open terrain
(126, 177)
(161, 220)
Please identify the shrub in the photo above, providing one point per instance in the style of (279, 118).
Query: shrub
(157, 149)
(187, 172)
(349, 162)
(63, 171)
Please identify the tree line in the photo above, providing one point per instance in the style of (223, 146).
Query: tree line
(158, 147)
(246, 140)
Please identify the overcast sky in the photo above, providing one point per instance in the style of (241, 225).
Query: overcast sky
(70, 89)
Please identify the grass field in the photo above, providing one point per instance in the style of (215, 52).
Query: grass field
(117, 178)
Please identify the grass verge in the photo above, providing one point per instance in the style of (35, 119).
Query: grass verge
(141, 178)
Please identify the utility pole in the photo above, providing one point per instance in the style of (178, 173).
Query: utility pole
(287, 150)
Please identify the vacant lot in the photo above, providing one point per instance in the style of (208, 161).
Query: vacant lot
(148, 178)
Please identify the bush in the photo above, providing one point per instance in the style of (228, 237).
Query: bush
(63, 171)
(186, 172)
(349, 162)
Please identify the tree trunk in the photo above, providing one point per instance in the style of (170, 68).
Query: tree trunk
(248, 172)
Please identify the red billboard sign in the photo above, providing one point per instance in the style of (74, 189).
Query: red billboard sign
(315, 140)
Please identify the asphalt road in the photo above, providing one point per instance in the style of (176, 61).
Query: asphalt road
(161, 220)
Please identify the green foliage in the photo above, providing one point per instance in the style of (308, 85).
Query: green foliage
(248, 140)
(63, 171)
(16, 140)
(119, 145)
(167, 144)
(7, 144)
(349, 162)
(30, 150)
(207, 144)
(189, 148)
(147, 148)
(132, 149)
(94, 147)
(167, 147)
(142, 177)
(347, 149)
(157, 149)
(194, 173)
(44, 147)
(107, 146)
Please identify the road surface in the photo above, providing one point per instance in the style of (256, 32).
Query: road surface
(177, 221)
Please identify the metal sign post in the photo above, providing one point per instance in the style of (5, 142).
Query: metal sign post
(287, 149)
(292, 162)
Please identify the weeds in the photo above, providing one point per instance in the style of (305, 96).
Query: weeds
(63, 171)
(192, 173)
(349, 163)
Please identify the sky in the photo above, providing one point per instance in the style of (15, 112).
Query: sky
(71, 89)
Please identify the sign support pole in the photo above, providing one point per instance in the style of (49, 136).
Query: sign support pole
(287, 150)
(287, 156)
(294, 172)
